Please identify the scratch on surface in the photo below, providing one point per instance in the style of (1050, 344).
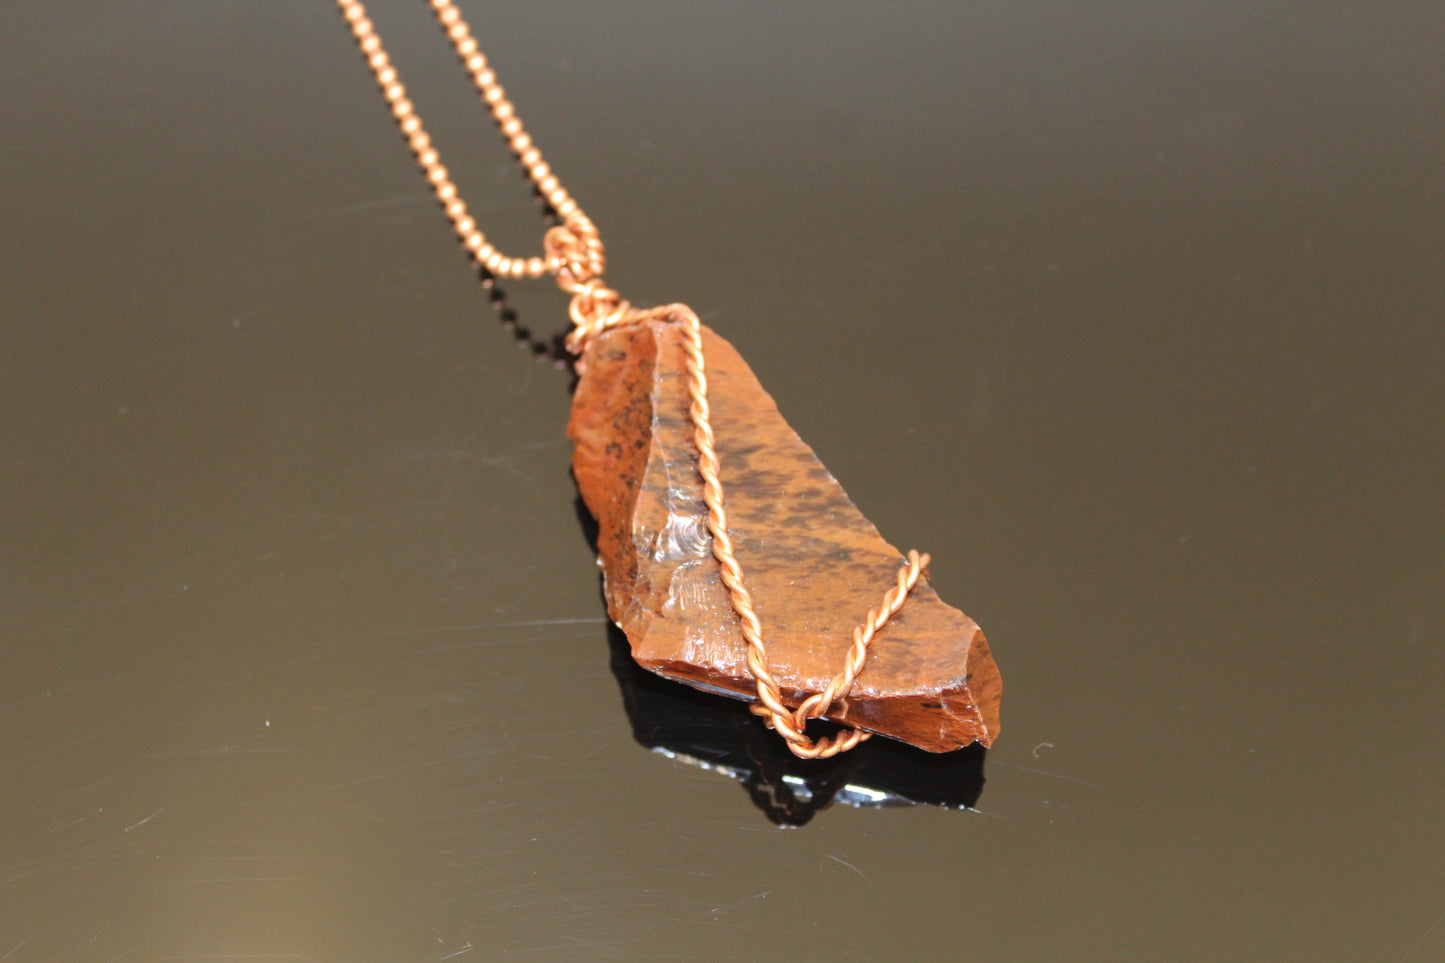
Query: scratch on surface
(839, 859)
(1148, 801)
(732, 906)
(466, 949)
(12, 951)
(1055, 775)
(1413, 946)
(474, 626)
(240, 879)
(246, 956)
(1042, 745)
(590, 944)
(579, 907)
(141, 823)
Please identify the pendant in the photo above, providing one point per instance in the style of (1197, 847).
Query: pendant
(766, 606)
(813, 563)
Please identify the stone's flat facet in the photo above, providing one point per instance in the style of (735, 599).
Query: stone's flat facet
(814, 564)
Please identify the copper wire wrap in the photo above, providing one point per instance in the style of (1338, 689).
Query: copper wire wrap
(573, 255)
(788, 723)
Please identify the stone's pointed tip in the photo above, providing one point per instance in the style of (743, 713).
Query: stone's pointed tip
(929, 679)
(985, 686)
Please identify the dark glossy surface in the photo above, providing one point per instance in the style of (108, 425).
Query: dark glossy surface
(1129, 314)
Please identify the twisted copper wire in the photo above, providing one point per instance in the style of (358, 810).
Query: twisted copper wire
(788, 723)
(574, 256)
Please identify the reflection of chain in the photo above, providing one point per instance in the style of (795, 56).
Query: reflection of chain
(573, 249)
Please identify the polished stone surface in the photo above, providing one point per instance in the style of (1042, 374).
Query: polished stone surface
(814, 566)
(302, 648)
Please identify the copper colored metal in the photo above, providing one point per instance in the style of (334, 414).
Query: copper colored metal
(948, 693)
(929, 679)
(574, 250)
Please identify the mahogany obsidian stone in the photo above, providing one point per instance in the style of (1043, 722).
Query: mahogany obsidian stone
(814, 564)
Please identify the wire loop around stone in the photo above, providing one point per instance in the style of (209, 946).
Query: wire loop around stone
(791, 725)
(595, 308)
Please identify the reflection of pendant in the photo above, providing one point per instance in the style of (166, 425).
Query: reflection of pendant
(813, 562)
(721, 736)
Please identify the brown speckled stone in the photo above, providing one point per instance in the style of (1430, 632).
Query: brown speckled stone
(814, 564)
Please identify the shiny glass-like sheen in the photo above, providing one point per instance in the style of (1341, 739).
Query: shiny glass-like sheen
(1128, 314)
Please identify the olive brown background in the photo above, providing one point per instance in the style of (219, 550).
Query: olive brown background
(1128, 313)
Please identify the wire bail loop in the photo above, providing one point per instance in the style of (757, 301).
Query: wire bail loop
(574, 253)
